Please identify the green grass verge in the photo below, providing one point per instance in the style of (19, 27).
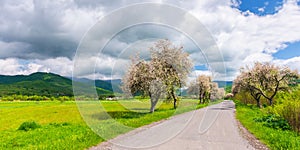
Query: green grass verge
(275, 139)
(62, 127)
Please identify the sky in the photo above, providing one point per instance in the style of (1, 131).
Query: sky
(44, 36)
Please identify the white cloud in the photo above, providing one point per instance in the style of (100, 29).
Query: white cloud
(9, 66)
(262, 9)
(59, 65)
(243, 38)
(13, 66)
(293, 63)
(257, 57)
(195, 73)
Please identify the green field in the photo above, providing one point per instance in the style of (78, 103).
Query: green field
(62, 127)
(274, 137)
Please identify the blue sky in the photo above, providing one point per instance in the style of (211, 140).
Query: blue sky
(43, 35)
(271, 7)
(261, 7)
(292, 50)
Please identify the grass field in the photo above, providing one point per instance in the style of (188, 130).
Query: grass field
(62, 127)
(275, 139)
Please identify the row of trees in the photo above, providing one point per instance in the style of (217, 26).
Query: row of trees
(205, 89)
(264, 80)
(164, 74)
(35, 98)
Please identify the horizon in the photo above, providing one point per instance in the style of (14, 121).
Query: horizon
(71, 78)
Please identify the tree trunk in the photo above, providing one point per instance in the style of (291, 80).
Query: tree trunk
(174, 98)
(271, 101)
(200, 98)
(256, 96)
(175, 106)
(258, 103)
(203, 98)
(258, 100)
(154, 99)
(153, 104)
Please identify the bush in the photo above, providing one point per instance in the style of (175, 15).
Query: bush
(274, 138)
(7, 98)
(275, 122)
(290, 110)
(288, 107)
(26, 126)
(59, 124)
(244, 98)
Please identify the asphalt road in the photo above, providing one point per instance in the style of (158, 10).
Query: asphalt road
(212, 128)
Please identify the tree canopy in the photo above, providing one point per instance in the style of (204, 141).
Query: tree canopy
(264, 80)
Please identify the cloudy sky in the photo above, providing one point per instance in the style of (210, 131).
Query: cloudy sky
(44, 35)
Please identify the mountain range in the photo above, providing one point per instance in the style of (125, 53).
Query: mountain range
(50, 84)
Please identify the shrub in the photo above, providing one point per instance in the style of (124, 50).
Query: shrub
(244, 98)
(7, 98)
(288, 107)
(59, 124)
(274, 121)
(290, 110)
(26, 126)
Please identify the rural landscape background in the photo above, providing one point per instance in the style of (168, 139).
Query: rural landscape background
(147, 72)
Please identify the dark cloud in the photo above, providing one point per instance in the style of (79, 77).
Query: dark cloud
(45, 29)
(145, 35)
(42, 26)
(48, 30)
(104, 4)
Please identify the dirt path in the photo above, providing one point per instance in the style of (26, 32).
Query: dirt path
(213, 127)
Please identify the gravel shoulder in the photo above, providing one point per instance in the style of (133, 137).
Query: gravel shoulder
(252, 140)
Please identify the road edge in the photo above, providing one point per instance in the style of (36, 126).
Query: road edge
(249, 137)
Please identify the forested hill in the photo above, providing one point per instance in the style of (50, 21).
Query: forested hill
(223, 84)
(50, 84)
(43, 84)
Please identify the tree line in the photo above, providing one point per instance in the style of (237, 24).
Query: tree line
(164, 74)
(35, 98)
(205, 89)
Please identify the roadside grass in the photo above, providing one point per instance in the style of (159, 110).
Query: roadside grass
(62, 127)
(275, 139)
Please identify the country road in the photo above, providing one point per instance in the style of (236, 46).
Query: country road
(213, 128)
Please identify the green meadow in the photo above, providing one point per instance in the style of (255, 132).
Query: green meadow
(273, 132)
(59, 125)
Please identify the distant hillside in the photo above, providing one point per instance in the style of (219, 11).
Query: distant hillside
(224, 83)
(111, 85)
(43, 84)
(49, 84)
